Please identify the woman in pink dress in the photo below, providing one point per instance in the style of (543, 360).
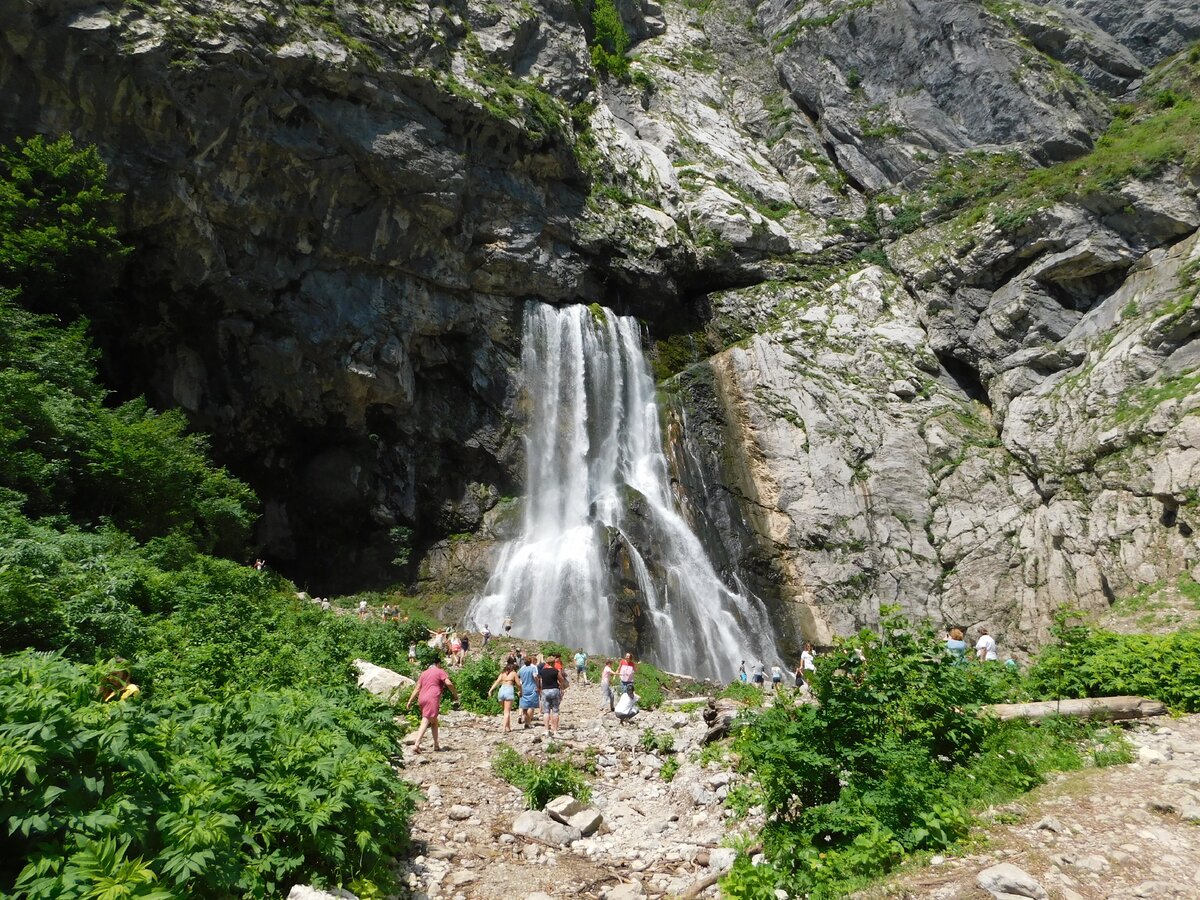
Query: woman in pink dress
(428, 690)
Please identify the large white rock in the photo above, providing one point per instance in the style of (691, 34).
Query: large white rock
(586, 820)
(306, 892)
(1007, 879)
(391, 686)
(538, 826)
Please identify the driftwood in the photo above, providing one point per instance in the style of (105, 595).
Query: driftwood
(717, 731)
(709, 880)
(1109, 708)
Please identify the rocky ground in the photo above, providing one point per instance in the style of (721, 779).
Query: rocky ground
(657, 838)
(1122, 831)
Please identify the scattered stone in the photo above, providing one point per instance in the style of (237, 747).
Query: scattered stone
(1097, 865)
(1050, 823)
(632, 890)
(1149, 756)
(722, 858)
(458, 812)
(1006, 878)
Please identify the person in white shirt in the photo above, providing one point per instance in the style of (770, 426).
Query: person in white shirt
(985, 647)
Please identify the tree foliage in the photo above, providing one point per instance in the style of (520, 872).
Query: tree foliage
(58, 234)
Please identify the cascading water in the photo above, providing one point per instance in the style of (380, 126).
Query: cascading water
(596, 478)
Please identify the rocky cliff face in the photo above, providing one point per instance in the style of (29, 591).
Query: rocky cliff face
(935, 332)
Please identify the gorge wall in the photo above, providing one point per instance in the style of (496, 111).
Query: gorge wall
(932, 335)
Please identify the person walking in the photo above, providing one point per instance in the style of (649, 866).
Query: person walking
(456, 650)
(776, 677)
(509, 683)
(554, 682)
(581, 665)
(956, 646)
(808, 665)
(531, 687)
(985, 647)
(362, 609)
(487, 636)
(606, 691)
(742, 672)
(756, 675)
(507, 625)
(428, 690)
(626, 672)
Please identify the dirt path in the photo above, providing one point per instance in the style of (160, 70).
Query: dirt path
(1117, 832)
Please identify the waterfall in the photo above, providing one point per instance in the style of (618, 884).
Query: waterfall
(598, 491)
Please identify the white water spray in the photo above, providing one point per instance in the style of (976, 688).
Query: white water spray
(593, 445)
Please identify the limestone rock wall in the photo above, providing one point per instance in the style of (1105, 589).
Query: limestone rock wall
(340, 210)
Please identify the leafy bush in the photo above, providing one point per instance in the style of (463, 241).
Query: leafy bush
(541, 782)
(215, 796)
(889, 763)
(743, 692)
(473, 681)
(669, 769)
(1089, 662)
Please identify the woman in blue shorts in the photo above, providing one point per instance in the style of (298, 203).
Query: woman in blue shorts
(508, 681)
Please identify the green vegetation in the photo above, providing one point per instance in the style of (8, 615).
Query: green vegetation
(1089, 662)
(610, 41)
(541, 781)
(249, 759)
(1161, 129)
(895, 757)
(652, 741)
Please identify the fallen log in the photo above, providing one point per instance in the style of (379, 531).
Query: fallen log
(1108, 708)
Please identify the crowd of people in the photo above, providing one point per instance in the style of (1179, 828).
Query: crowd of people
(760, 675)
(533, 683)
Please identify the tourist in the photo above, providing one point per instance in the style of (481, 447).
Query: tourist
(466, 647)
(606, 691)
(509, 682)
(956, 646)
(362, 609)
(756, 675)
(531, 687)
(581, 665)
(429, 687)
(627, 706)
(742, 672)
(487, 636)
(626, 672)
(412, 653)
(808, 665)
(507, 624)
(776, 677)
(325, 604)
(985, 647)
(514, 658)
(456, 649)
(553, 681)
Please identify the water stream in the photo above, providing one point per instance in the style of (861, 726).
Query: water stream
(598, 489)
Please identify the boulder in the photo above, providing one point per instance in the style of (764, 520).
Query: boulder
(562, 808)
(391, 686)
(307, 892)
(586, 820)
(1007, 880)
(538, 826)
